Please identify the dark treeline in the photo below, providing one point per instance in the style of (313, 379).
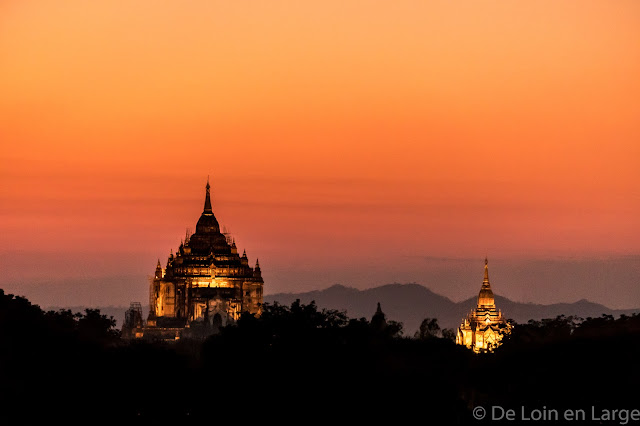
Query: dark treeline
(301, 364)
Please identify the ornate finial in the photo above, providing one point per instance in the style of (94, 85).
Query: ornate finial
(486, 270)
(244, 253)
(257, 273)
(158, 265)
(207, 200)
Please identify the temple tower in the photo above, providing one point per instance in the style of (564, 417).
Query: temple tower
(483, 328)
(205, 285)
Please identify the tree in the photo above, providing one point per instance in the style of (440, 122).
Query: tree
(93, 325)
(429, 328)
(394, 329)
(449, 334)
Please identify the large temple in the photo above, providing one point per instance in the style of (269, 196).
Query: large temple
(204, 286)
(483, 329)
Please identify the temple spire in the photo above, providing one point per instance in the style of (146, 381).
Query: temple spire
(257, 273)
(207, 200)
(379, 309)
(485, 298)
(486, 271)
(158, 274)
(379, 320)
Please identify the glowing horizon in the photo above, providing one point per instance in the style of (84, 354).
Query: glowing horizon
(341, 133)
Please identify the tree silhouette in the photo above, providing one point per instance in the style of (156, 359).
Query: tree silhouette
(429, 329)
(449, 334)
(94, 325)
(295, 360)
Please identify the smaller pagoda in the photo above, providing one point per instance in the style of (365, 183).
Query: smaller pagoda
(483, 329)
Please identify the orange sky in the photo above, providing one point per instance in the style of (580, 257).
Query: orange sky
(338, 134)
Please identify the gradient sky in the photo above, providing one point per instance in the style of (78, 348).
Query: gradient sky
(347, 141)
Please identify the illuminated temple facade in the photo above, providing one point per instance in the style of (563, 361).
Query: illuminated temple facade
(204, 286)
(483, 328)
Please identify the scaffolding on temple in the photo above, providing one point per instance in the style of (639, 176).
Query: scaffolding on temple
(133, 321)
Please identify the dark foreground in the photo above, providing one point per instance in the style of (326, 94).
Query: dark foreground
(300, 365)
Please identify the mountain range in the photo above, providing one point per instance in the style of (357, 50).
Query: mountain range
(411, 303)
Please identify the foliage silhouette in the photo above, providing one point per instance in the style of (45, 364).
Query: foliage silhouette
(304, 364)
(449, 334)
(429, 328)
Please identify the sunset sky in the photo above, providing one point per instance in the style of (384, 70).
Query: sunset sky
(352, 142)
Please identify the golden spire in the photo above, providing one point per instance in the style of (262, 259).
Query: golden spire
(486, 271)
(485, 298)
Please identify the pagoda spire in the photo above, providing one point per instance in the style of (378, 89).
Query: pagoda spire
(256, 271)
(486, 271)
(207, 224)
(207, 200)
(158, 274)
(485, 298)
(379, 320)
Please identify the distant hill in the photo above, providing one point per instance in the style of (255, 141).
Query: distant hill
(411, 303)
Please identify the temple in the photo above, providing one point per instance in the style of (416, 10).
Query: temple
(483, 328)
(204, 286)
